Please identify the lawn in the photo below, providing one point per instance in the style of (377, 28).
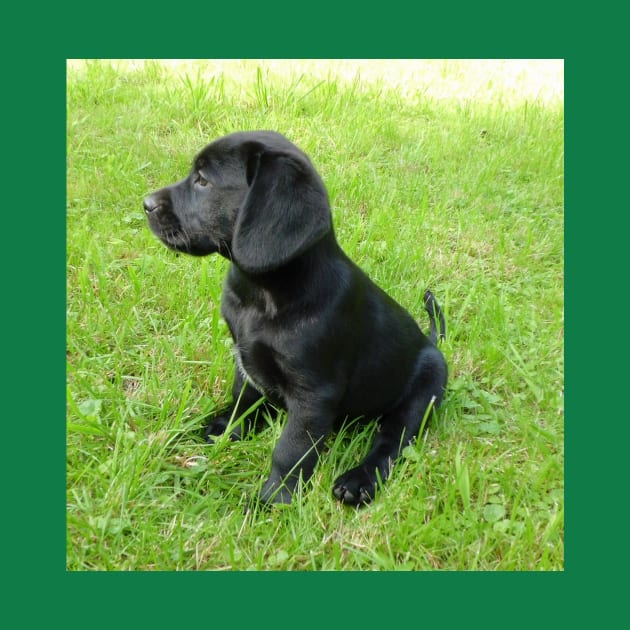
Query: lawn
(446, 175)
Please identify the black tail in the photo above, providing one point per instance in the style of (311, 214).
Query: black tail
(434, 311)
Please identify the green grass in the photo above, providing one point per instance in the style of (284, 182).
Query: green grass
(443, 175)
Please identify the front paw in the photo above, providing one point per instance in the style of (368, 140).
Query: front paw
(217, 426)
(275, 493)
(356, 487)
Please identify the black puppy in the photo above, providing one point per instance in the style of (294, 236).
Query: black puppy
(312, 333)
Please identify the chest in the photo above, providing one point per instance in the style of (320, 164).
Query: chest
(259, 368)
(258, 353)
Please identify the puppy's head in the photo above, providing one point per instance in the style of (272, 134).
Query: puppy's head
(254, 197)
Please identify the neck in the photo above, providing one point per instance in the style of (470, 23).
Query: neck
(287, 283)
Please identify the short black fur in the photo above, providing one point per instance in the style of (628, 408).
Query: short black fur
(312, 333)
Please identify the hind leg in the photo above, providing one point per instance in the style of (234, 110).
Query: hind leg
(397, 429)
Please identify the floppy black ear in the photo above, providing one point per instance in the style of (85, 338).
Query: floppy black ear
(285, 212)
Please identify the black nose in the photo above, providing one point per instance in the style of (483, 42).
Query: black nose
(152, 203)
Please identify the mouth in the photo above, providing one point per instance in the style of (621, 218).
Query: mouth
(172, 233)
(180, 241)
(174, 240)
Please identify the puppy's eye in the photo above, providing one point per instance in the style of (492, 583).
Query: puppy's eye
(201, 180)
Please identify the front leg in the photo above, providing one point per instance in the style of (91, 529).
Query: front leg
(296, 453)
(244, 396)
